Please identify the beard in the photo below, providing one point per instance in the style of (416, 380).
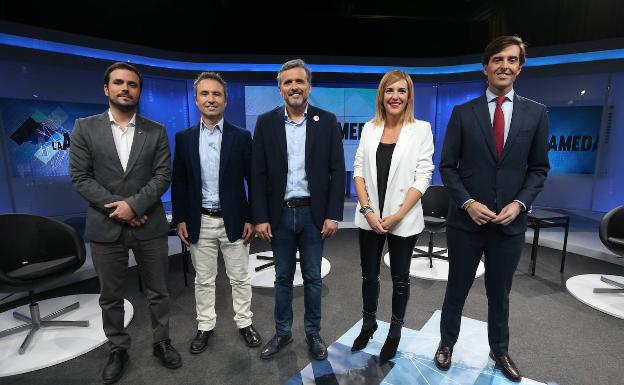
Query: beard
(295, 103)
(125, 107)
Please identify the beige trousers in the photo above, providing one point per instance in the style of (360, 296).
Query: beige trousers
(212, 237)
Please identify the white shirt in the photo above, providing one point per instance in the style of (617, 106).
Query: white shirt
(507, 107)
(123, 137)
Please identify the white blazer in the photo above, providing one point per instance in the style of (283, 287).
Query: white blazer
(411, 166)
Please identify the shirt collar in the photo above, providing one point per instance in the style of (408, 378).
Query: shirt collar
(305, 115)
(490, 96)
(131, 123)
(218, 126)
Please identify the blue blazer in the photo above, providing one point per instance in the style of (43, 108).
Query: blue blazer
(470, 167)
(324, 165)
(234, 171)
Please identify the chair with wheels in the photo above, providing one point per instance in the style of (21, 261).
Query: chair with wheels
(34, 251)
(435, 203)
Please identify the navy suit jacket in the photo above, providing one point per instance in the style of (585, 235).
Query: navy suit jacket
(470, 167)
(234, 170)
(324, 165)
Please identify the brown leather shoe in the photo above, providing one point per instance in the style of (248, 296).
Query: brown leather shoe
(443, 356)
(507, 366)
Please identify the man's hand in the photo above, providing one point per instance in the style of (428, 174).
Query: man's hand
(264, 231)
(123, 212)
(329, 228)
(375, 223)
(182, 233)
(390, 221)
(248, 233)
(136, 221)
(480, 214)
(508, 214)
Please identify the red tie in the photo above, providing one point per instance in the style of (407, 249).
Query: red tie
(499, 125)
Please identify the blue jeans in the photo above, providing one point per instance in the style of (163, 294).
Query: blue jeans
(297, 231)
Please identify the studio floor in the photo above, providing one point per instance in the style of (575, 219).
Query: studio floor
(554, 337)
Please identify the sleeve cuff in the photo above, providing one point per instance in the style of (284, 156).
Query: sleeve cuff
(521, 204)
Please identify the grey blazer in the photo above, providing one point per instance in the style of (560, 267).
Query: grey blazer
(98, 176)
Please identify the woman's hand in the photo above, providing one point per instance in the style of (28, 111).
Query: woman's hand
(375, 223)
(390, 221)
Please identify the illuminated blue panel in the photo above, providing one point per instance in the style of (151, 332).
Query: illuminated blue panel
(165, 101)
(70, 49)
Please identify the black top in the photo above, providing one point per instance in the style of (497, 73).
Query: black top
(384, 157)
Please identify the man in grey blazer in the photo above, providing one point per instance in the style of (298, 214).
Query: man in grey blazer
(120, 164)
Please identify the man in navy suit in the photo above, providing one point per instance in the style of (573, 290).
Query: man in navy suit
(298, 197)
(494, 162)
(212, 161)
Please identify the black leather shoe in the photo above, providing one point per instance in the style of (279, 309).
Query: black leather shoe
(200, 342)
(275, 345)
(507, 366)
(389, 349)
(168, 356)
(251, 336)
(362, 339)
(115, 366)
(316, 346)
(443, 356)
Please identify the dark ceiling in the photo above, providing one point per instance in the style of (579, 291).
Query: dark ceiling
(344, 27)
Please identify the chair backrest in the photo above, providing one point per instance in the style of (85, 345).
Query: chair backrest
(31, 239)
(612, 230)
(435, 202)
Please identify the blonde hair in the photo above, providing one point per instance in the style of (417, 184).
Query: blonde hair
(389, 78)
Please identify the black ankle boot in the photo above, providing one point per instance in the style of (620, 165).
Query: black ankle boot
(362, 340)
(389, 348)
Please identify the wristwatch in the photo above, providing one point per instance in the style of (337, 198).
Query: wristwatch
(366, 209)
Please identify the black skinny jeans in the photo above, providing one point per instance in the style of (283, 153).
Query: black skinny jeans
(400, 248)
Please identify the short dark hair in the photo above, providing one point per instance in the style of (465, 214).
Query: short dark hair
(210, 75)
(123, 66)
(502, 42)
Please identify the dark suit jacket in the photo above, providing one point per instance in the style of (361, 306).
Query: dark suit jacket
(98, 176)
(470, 167)
(234, 170)
(324, 165)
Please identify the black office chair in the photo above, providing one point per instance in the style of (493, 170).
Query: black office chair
(35, 251)
(435, 208)
(611, 234)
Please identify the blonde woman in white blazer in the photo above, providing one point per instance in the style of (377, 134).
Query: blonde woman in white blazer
(392, 170)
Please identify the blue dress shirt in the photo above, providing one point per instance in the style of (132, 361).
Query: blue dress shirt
(209, 157)
(296, 179)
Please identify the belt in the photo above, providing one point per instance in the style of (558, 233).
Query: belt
(297, 202)
(211, 212)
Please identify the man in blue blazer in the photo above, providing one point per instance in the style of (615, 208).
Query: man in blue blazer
(212, 162)
(494, 162)
(298, 197)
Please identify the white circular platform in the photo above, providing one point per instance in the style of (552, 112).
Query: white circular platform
(266, 276)
(53, 345)
(582, 288)
(419, 268)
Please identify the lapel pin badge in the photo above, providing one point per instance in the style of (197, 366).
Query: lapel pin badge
(315, 118)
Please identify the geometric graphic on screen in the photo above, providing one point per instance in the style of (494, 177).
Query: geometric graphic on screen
(573, 138)
(39, 134)
(413, 363)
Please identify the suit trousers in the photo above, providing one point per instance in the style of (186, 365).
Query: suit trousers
(111, 264)
(212, 237)
(502, 253)
(401, 250)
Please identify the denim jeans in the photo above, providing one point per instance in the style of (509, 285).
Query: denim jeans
(297, 231)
